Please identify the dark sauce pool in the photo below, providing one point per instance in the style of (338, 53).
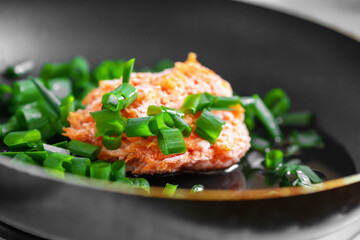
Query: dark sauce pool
(330, 162)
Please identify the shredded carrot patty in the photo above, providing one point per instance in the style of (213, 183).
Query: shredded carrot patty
(168, 88)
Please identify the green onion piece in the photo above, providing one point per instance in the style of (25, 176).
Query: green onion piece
(292, 149)
(63, 144)
(4, 89)
(9, 154)
(46, 109)
(22, 157)
(138, 127)
(163, 64)
(128, 68)
(296, 119)
(50, 97)
(191, 103)
(28, 116)
(154, 110)
(209, 126)
(67, 105)
(79, 71)
(10, 126)
(273, 159)
(54, 70)
(38, 156)
(277, 101)
(207, 100)
(182, 125)
(141, 183)
(160, 121)
(260, 144)
(108, 70)
(23, 139)
(197, 188)
(225, 102)
(302, 179)
(25, 92)
(20, 69)
(310, 173)
(112, 142)
(59, 162)
(100, 169)
(54, 149)
(80, 166)
(171, 141)
(288, 174)
(108, 122)
(61, 87)
(114, 101)
(307, 139)
(267, 119)
(129, 92)
(247, 101)
(84, 149)
(169, 190)
(118, 170)
(249, 118)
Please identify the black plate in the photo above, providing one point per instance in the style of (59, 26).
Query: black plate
(255, 49)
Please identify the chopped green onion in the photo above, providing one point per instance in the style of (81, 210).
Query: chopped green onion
(191, 103)
(63, 144)
(9, 154)
(23, 139)
(182, 125)
(141, 183)
(4, 89)
(310, 173)
(112, 142)
(288, 174)
(61, 87)
(10, 126)
(108, 122)
(67, 105)
(100, 169)
(225, 102)
(118, 170)
(54, 70)
(79, 71)
(209, 126)
(277, 101)
(260, 144)
(80, 166)
(20, 69)
(249, 118)
(46, 109)
(25, 92)
(22, 157)
(123, 181)
(171, 141)
(169, 190)
(108, 70)
(197, 188)
(128, 68)
(267, 119)
(161, 121)
(296, 119)
(307, 139)
(247, 101)
(291, 150)
(206, 101)
(129, 92)
(154, 110)
(50, 97)
(163, 64)
(38, 156)
(84, 149)
(273, 159)
(28, 116)
(113, 100)
(138, 127)
(54, 149)
(59, 162)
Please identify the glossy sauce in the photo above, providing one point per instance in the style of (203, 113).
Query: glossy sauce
(330, 162)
